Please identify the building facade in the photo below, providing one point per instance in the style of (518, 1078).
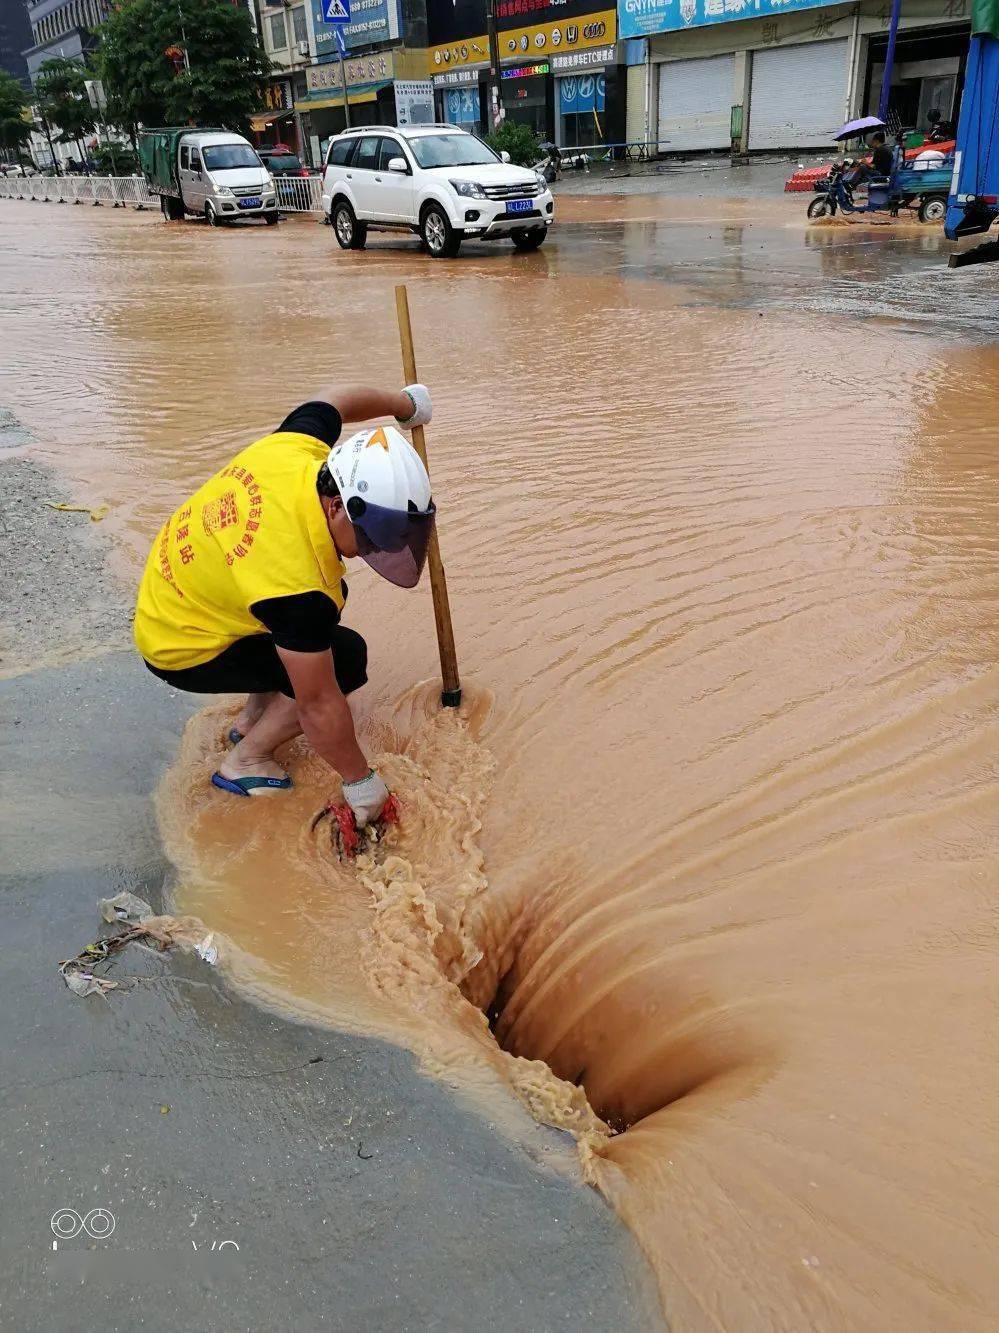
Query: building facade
(287, 37)
(62, 28)
(765, 75)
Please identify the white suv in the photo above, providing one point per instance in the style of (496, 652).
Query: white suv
(436, 180)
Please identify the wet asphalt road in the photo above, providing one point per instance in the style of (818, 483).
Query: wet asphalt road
(349, 1211)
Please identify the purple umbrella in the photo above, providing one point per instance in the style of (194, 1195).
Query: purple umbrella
(854, 128)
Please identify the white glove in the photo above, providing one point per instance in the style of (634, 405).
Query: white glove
(423, 411)
(366, 798)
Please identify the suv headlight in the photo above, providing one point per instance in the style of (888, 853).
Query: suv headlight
(469, 189)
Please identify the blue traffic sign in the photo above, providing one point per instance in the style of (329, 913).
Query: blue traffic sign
(336, 11)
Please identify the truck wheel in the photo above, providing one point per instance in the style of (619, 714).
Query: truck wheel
(529, 240)
(172, 209)
(933, 209)
(350, 234)
(437, 234)
(211, 217)
(819, 207)
(271, 219)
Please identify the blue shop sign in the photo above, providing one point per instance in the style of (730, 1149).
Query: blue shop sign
(370, 21)
(581, 93)
(640, 18)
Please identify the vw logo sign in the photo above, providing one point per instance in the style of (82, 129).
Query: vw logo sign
(539, 39)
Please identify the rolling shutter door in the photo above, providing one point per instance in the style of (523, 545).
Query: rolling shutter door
(695, 103)
(798, 95)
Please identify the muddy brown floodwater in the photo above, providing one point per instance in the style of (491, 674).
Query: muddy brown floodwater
(706, 870)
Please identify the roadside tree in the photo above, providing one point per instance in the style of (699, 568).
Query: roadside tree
(62, 99)
(15, 131)
(194, 62)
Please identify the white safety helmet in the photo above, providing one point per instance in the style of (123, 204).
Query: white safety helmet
(386, 494)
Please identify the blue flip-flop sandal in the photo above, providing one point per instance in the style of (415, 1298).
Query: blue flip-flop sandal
(247, 786)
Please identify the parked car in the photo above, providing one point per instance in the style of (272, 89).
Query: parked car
(210, 173)
(436, 180)
(281, 161)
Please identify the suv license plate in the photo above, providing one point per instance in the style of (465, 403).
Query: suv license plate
(254, 202)
(519, 206)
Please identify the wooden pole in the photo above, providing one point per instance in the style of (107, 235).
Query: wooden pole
(451, 693)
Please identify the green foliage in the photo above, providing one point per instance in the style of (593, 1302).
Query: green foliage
(15, 131)
(144, 86)
(519, 141)
(119, 161)
(62, 99)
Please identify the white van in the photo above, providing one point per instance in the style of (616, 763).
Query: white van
(211, 173)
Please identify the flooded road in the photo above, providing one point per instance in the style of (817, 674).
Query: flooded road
(715, 837)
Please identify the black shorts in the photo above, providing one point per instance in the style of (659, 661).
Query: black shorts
(252, 666)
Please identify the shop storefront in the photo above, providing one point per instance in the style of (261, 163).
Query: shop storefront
(275, 122)
(927, 76)
(558, 74)
(459, 97)
(370, 91)
(712, 78)
(582, 79)
(527, 96)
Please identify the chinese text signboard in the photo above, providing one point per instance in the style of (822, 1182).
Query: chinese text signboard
(414, 102)
(277, 96)
(359, 69)
(370, 21)
(539, 40)
(640, 18)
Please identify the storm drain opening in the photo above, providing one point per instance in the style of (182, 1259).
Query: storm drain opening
(629, 1059)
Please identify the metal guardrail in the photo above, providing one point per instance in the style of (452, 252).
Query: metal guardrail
(295, 194)
(116, 191)
(300, 194)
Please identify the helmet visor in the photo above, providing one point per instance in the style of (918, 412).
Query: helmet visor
(395, 543)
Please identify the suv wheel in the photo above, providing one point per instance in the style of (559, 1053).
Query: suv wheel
(529, 240)
(350, 233)
(437, 233)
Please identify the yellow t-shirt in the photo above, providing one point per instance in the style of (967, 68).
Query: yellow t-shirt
(254, 530)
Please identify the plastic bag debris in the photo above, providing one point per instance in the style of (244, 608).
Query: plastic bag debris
(137, 924)
(124, 907)
(85, 983)
(207, 950)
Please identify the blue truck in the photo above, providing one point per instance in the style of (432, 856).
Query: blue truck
(973, 204)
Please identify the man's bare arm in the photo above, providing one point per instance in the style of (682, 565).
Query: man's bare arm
(324, 714)
(357, 403)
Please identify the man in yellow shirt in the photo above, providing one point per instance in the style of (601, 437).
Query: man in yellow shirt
(244, 585)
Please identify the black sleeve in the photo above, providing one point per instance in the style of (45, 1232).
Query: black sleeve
(319, 420)
(302, 623)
